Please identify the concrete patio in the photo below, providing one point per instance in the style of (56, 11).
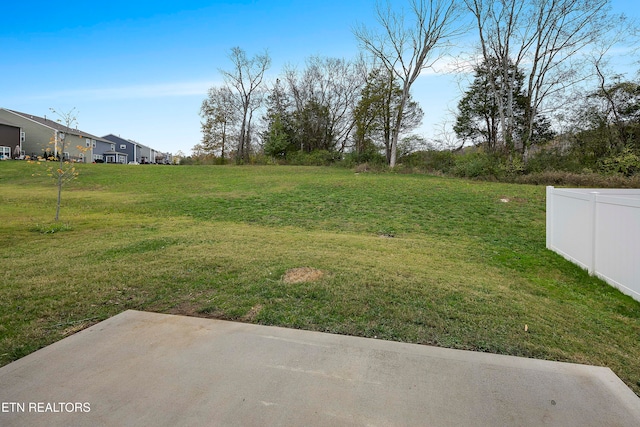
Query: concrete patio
(148, 369)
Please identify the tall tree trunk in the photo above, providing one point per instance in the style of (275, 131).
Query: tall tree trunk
(405, 49)
(395, 132)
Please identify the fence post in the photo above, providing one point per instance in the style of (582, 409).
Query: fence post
(550, 218)
(593, 201)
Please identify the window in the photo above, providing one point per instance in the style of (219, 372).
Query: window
(113, 147)
(123, 146)
(97, 157)
(5, 153)
(88, 142)
(22, 136)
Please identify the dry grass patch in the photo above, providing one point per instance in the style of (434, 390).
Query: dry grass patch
(75, 328)
(302, 275)
(251, 314)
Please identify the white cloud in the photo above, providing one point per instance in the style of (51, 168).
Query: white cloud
(146, 91)
(462, 64)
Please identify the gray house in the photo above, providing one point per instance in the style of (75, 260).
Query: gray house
(105, 152)
(42, 136)
(137, 152)
(124, 146)
(147, 154)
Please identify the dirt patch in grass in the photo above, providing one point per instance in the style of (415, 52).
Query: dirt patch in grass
(302, 275)
(251, 314)
(75, 328)
(186, 309)
(194, 308)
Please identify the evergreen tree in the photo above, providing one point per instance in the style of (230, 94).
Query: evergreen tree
(478, 120)
(277, 141)
(313, 128)
(279, 134)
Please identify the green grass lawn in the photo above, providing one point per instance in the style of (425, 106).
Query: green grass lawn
(410, 258)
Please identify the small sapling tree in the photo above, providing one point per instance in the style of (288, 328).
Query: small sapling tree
(61, 169)
(66, 171)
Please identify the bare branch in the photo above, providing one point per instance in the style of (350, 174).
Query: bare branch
(409, 43)
(543, 37)
(246, 77)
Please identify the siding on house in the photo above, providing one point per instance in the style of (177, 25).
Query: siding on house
(42, 136)
(101, 147)
(146, 154)
(96, 148)
(124, 146)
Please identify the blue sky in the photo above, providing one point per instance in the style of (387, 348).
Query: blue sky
(140, 69)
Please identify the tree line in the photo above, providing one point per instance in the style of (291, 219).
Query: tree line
(531, 61)
(332, 105)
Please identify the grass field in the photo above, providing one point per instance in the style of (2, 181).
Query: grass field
(410, 258)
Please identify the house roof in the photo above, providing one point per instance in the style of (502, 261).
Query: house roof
(114, 138)
(118, 139)
(54, 124)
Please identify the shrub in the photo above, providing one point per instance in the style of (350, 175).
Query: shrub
(626, 163)
(552, 159)
(512, 166)
(370, 158)
(430, 161)
(477, 164)
(570, 179)
(314, 158)
(260, 159)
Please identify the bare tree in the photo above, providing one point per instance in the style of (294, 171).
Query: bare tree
(333, 84)
(612, 89)
(246, 78)
(406, 47)
(66, 171)
(544, 38)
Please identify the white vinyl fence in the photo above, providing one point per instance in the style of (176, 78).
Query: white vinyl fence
(598, 229)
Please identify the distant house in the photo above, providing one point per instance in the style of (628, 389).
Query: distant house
(42, 136)
(147, 154)
(138, 152)
(99, 148)
(163, 158)
(126, 146)
(10, 141)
